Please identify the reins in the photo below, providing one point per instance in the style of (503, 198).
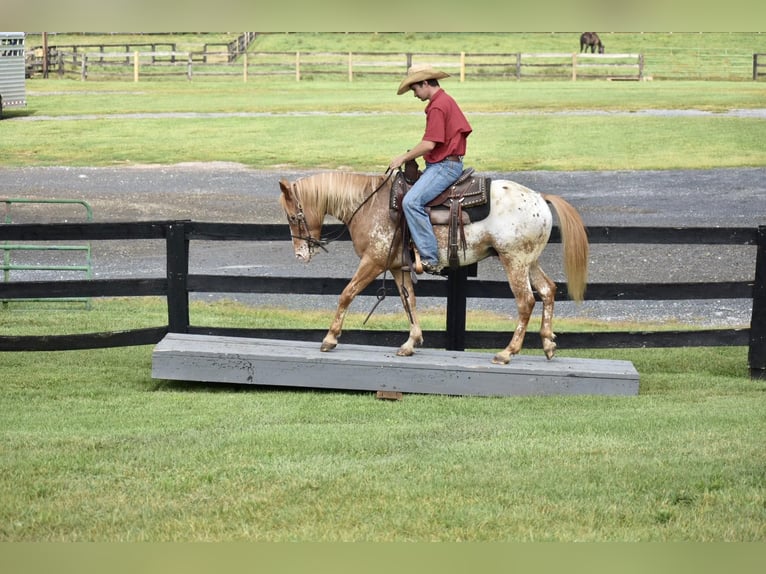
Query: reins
(366, 199)
(380, 294)
(322, 241)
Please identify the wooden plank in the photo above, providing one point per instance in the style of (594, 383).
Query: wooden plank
(84, 231)
(479, 289)
(134, 337)
(84, 288)
(270, 362)
(495, 340)
(279, 232)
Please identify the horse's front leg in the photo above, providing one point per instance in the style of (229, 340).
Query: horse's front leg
(407, 295)
(365, 273)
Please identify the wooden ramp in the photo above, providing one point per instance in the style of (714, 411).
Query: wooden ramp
(365, 368)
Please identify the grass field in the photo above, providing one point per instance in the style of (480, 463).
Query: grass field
(517, 126)
(94, 449)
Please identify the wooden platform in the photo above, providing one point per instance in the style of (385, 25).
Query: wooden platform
(364, 368)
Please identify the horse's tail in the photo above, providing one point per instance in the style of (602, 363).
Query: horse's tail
(575, 240)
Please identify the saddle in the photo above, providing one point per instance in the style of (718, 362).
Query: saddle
(464, 202)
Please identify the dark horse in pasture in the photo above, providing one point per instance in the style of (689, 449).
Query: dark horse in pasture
(516, 231)
(592, 41)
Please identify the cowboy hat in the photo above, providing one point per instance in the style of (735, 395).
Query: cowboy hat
(419, 73)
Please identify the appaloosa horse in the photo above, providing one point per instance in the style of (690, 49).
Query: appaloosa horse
(592, 41)
(517, 229)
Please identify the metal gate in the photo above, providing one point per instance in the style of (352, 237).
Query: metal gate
(9, 249)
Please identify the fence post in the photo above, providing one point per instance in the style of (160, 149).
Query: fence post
(135, 66)
(189, 67)
(755, 67)
(462, 67)
(518, 65)
(84, 69)
(756, 357)
(177, 274)
(457, 289)
(574, 67)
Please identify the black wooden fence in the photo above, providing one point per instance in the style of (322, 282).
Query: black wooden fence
(178, 283)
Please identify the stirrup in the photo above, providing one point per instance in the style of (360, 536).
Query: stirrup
(417, 264)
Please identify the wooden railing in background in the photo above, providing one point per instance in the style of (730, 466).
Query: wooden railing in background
(101, 64)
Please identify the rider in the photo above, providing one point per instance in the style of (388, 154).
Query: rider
(443, 147)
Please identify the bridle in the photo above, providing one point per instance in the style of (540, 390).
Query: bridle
(299, 219)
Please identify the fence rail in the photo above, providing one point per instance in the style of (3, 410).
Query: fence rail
(235, 62)
(178, 283)
(88, 64)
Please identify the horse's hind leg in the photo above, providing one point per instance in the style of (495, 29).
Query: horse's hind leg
(407, 295)
(525, 302)
(547, 291)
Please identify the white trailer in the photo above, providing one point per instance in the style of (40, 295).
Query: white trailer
(12, 71)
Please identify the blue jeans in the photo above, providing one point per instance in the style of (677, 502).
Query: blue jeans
(434, 179)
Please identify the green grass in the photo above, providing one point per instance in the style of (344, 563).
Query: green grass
(105, 453)
(93, 449)
(528, 138)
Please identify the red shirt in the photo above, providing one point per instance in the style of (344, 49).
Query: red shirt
(446, 126)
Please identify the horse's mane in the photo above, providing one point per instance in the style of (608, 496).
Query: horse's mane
(336, 193)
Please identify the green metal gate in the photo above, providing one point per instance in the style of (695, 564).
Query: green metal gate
(9, 249)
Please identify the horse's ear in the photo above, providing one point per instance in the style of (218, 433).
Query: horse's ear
(285, 187)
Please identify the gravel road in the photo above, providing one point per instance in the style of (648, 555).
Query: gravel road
(225, 192)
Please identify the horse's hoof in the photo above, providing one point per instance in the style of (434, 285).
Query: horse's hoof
(501, 359)
(327, 347)
(404, 352)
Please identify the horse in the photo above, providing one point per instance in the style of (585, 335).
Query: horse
(591, 40)
(517, 229)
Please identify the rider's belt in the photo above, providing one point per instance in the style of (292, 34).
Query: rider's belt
(453, 158)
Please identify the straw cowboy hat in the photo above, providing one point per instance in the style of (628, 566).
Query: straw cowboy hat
(419, 73)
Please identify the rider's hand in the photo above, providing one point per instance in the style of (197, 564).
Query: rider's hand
(396, 162)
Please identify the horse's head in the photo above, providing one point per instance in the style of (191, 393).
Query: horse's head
(305, 232)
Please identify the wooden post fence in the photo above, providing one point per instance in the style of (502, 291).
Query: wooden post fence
(178, 283)
(757, 65)
(757, 344)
